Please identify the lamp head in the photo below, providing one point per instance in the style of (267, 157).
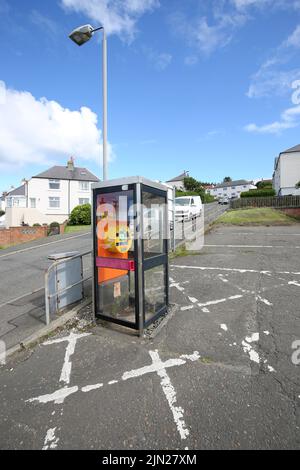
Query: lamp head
(82, 34)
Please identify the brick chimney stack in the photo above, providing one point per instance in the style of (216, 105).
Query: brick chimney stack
(70, 164)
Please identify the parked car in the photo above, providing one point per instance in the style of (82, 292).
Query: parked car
(224, 200)
(188, 207)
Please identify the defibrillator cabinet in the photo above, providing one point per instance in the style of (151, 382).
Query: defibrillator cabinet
(130, 251)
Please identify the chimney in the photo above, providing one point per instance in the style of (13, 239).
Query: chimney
(70, 164)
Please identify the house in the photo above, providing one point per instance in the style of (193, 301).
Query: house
(287, 172)
(16, 197)
(231, 189)
(178, 181)
(49, 196)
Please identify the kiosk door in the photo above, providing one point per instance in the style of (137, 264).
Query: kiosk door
(115, 255)
(155, 253)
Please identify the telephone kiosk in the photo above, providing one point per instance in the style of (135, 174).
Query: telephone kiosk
(130, 251)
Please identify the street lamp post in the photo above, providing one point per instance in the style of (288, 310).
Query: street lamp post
(80, 36)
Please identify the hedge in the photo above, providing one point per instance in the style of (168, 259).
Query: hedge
(259, 193)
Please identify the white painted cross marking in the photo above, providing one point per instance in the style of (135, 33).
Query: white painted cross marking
(50, 440)
(157, 366)
(67, 366)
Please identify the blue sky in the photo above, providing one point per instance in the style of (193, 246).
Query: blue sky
(208, 86)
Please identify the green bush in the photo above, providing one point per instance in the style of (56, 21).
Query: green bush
(81, 215)
(259, 193)
(36, 225)
(54, 224)
(2, 213)
(264, 185)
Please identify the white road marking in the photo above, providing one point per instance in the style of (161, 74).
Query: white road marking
(237, 270)
(187, 307)
(219, 301)
(170, 394)
(294, 283)
(220, 276)
(253, 246)
(266, 332)
(67, 366)
(253, 338)
(88, 388)
(265, 234)
(157, 366)
(177, 286)
(265, 301)
(193, 300)
(224, 327)
(43, 244)
(254, 356)
(57, 397)
(50, 440)
(191, 357)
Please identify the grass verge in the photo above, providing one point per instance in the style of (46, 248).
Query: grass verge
(77, 228)
(256, 216)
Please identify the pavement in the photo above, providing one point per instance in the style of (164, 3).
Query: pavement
(223, 373)
(22, 273)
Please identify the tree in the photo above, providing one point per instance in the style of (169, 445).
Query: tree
(192, 187)
(227, 179)
(191, 184)
(264, 185)
(297, 186)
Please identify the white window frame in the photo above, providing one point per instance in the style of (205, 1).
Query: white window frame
(83, 199)
(32, 206)
(56, 182)
(54, 199)
(84, 183)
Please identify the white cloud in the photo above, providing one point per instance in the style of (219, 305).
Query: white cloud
(270, 79)
(191, 60)
(223, 18)
(208, 36)
(283, 4)
(289, 119)
(41, 131)
(294, 39)
(118, 16)
(271, 82)
(160, 60)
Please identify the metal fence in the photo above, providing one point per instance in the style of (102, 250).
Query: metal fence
(186, 230)
(64, 283)
(278, 202)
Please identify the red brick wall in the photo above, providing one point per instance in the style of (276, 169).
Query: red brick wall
(293, 211)
(15, 235)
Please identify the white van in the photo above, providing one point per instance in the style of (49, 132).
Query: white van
(188, 207)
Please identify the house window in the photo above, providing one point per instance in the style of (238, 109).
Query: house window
(84, 185)
(16, 202)
(233, 187)
(83, 200)
(54, 184)
(54, 202)
(33, 202)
